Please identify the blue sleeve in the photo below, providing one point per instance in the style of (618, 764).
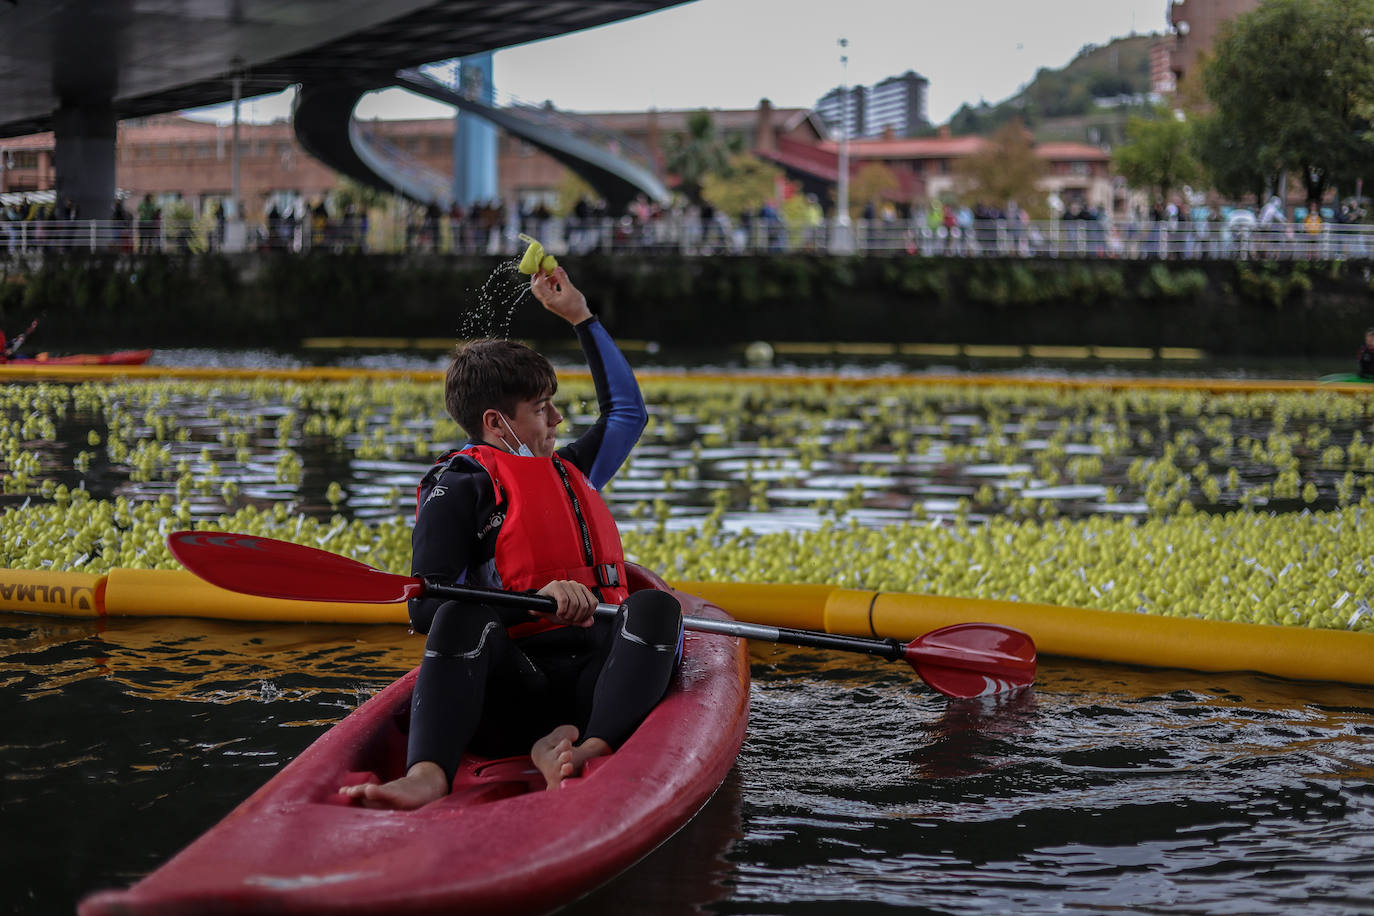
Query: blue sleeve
(601, 451)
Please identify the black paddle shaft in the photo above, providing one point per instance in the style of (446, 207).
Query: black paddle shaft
(890, 649)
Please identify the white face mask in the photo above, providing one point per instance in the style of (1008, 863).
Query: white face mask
(524, 450)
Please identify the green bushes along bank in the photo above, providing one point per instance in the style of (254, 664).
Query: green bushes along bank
(1224, 307)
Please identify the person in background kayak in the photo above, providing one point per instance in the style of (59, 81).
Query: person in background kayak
(9, 349)
(1365, 359)
(509, 511)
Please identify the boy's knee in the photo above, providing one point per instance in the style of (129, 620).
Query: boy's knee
(654, 617)
(463, 630)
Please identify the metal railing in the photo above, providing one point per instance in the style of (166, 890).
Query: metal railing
(681, 232)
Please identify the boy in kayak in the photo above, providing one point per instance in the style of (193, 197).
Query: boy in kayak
(509, 511)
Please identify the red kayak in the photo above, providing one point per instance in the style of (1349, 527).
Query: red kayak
(117, 358)
(500, 843)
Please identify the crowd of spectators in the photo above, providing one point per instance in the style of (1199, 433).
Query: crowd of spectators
(1181, 228)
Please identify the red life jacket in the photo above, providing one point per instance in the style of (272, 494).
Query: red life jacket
(553, 525)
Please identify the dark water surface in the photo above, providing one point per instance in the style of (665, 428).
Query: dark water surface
(858, 790)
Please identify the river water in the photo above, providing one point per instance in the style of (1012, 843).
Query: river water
(858, 790)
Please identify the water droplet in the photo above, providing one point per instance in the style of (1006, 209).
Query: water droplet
(489, 314)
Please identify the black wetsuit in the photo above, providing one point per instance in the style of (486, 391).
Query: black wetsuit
(479, 688)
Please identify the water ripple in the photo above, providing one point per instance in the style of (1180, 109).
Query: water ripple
(858, 790)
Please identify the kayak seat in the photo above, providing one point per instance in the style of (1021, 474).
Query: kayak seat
(480, 780)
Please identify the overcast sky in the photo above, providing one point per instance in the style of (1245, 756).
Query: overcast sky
(731, 53)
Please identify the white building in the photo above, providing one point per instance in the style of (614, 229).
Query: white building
(898, 103)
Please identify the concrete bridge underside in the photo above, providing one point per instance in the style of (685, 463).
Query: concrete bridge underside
(77, 67)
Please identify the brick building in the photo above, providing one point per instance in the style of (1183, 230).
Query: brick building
(1079, 173)
(1195, 24)
(176, 158)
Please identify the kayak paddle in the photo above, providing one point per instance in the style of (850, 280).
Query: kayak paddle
(962, 660)
(12, 349)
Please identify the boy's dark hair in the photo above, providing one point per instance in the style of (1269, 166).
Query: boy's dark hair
(494, 373)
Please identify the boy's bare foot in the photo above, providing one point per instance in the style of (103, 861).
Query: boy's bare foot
(553, 755)
(423, 783)
(557, 758)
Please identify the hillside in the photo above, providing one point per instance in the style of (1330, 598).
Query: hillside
(1064, 103)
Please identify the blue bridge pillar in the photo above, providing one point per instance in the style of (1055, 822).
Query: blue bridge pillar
(474, 139)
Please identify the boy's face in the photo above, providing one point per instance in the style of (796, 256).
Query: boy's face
(536, 424)
(1369, 340)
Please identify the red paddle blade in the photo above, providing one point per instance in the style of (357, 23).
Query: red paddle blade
(974, 659)
(280, 569)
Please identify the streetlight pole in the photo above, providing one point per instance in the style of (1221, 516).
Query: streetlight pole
(842, 238)
(235, 188)
(233, 236)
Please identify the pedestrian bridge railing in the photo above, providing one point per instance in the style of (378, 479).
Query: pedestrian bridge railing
(489, 232)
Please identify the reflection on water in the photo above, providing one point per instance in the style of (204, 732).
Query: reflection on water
(1106, 787)
(858, 789)
(120, 743)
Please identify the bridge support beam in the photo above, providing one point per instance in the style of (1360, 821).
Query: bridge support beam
(85, 148)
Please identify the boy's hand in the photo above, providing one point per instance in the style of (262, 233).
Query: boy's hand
(576, 602)
(557, 294)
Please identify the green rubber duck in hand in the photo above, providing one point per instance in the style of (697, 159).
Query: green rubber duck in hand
(535, 258)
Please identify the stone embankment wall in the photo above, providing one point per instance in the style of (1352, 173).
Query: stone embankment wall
(1302, 308)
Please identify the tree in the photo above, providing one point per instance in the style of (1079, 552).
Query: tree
(697, 153)
(743, 186)
(984, 118)
(1289, 79)
(362, 197)
(1006, 168)
(1236, 164)
(872, 184)
(571, 189)
(1158, 154)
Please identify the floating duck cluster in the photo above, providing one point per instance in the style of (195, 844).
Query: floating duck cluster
(1230, 506)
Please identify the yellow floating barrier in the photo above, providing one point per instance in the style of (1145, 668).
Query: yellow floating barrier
(1151, 640)
(378, 343)
(865, 349)
(994, 351)
(26, 371)
(802, 349)
(30, 371)
(40, 591)
(920, 349)
(1123, 353)
(1049, 351)
(168, 593)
